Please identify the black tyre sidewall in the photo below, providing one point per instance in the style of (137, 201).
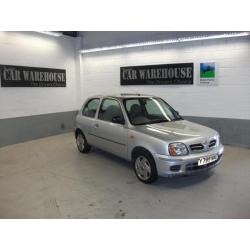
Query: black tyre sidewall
(87, 147)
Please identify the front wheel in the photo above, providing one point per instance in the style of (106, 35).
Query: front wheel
(82, 143)
(144, 166)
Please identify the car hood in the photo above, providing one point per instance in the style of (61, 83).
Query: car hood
(178, 131)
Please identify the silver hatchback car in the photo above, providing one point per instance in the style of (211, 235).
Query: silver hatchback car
(148, 132)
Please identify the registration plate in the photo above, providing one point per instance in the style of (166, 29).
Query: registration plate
(207, 159)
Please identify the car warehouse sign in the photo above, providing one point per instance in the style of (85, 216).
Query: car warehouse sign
(164, 74)
(20, 76)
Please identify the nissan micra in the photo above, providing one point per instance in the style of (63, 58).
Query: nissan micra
(147, 131)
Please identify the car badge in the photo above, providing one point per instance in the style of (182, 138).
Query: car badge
(205, 144)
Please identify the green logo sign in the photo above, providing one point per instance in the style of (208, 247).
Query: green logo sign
(207, 70)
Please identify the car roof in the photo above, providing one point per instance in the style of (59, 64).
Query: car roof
(123, 96)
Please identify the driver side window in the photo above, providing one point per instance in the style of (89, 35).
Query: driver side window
(90, 108)
(110, 110)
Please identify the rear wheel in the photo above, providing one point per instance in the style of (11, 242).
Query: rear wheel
(82, 143)
(144, 166)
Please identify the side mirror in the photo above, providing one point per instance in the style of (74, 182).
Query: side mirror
(118, 120)
(177, 112)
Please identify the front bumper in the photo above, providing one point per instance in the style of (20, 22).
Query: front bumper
(181, 165)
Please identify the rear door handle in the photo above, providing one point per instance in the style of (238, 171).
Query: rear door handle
(97, 125)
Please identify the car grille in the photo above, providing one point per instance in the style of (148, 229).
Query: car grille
(201, 147)
(196, 147)
(212, 143)
(194, 166)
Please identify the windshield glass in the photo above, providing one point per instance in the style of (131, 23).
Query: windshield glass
(148, 110)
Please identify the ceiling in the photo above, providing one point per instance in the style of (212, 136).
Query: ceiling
(93, 39)
(70, 33)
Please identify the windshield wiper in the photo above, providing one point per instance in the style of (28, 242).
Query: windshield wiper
(158, 121)
(151, 122)
(177, 119)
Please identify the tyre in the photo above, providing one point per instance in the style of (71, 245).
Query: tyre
(82, 143)
(144, 166)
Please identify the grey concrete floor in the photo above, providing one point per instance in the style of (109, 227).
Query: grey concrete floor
(49, 178)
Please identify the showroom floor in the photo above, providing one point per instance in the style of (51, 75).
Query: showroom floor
(48, 178)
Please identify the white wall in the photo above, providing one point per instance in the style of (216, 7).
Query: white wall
(39, 50)
(230, 98)
(99, 73)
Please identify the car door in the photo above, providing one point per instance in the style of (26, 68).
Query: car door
(86, 119)
(109, 129)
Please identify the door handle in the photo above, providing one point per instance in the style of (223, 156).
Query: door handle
(97, 125)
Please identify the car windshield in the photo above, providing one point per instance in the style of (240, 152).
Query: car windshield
(148, 110)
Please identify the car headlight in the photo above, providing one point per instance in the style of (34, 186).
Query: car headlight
(177, 148)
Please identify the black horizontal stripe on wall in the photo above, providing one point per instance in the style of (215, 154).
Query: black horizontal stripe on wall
(14, 130)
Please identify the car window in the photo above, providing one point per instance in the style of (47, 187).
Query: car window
(152, 108)
(90, 108)
(110, 108)
(130, 103)
(149, 110)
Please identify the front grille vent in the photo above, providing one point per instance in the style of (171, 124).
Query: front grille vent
(196, 147)
(212, 143)
(203, 147)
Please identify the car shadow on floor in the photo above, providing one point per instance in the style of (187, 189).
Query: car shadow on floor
(183, 181)
(170, 182)
(111, 157)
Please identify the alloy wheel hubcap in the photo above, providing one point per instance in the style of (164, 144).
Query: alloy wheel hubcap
(80, 142)
(143, 168)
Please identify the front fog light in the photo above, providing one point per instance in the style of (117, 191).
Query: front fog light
(177, 148)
